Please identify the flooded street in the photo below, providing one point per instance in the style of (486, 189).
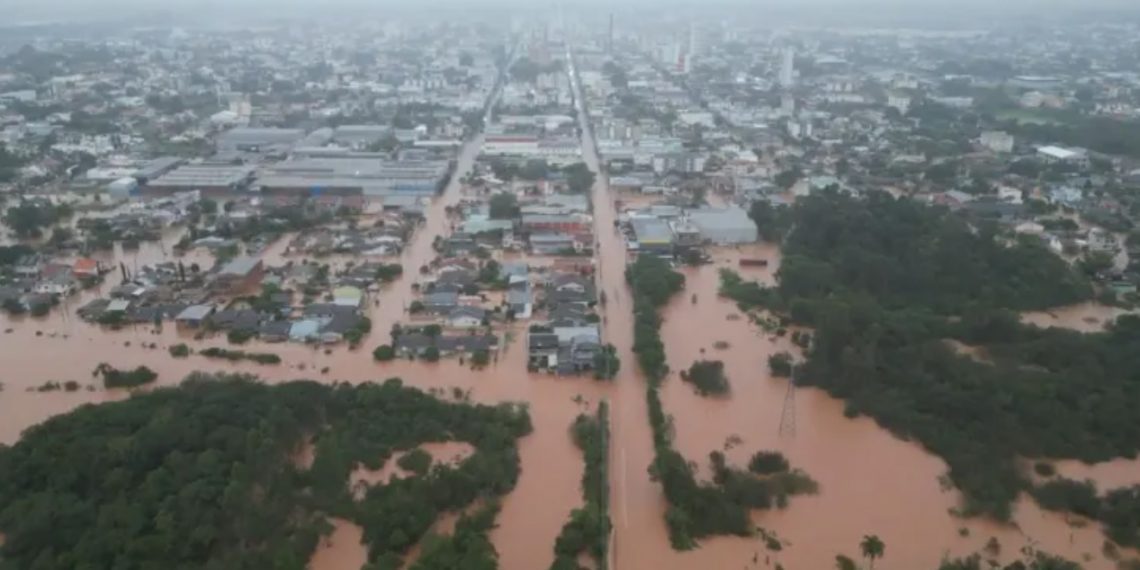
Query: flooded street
(532, 515)
(870, 481)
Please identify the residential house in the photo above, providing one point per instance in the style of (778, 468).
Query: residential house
(274, 331)
(85, 267)
(466, 317)
(520, 302)
(193, 316)
(440, 303)
(542, 349)
(348, 296)
(551, 244)
(327, 310)
(242, 274)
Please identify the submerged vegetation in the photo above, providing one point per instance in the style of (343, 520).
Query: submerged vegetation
(1118, 509)
(589, 526)
(884, 282)
(204, 476)
(115, 378)
(707, 376)
(696, 510)
(237, 355)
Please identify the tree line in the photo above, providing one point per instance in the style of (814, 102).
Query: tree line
(588, 529)
(204, 476)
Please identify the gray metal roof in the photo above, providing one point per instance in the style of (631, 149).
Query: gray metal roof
(240, 266)
(651, 230)
(194, 313)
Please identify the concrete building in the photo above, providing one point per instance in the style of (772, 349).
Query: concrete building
(353, 176)
(997, 141)
(727, 226)
(209, 179)
(258, 140)
(788, 68)
(653, 235)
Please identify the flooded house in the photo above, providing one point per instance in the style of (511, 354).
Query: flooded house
(242, 274)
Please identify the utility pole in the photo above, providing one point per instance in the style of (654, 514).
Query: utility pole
(788, 414)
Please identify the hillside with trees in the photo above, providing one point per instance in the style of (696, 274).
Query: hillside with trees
(203, 476)
(886, 282)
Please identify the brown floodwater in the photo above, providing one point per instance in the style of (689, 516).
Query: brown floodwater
(532, 514)
(442, 452)
(341, 550)
(870, 481)
(1084, 317)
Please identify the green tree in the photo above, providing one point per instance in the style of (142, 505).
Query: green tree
(872, 548)
(788, 178)
(504, 206)
(579, 178)
(384, 353)
(480, 358)
(431, 354)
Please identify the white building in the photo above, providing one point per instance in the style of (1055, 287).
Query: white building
(899, 101)
(997, 141)
(1061, 154)
(725, 226)
(788, 68)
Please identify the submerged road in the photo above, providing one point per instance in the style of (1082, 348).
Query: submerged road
(637, 504)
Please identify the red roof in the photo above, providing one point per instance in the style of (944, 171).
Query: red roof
(85, 265)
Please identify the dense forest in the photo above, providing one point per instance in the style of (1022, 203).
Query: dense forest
(203, 476)
(1118, 509)
(886, 282)
(588, 529)
(696, 510)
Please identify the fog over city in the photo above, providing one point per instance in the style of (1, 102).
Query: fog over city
(453, 284)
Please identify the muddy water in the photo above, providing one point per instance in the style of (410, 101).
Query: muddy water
(871, 482)
(531, 516)
(442, 453)
(341, 550)
(1084, 317)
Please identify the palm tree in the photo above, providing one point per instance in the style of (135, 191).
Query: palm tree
(872, 548)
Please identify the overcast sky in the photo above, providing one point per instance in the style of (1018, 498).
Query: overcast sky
(71, 10)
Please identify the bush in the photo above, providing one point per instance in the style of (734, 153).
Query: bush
(239, 336)
(1044, 469)
(179, 351)
(768, 462)
(431, 354)
(115, 378)
(14, 307)
(480, 358)
(707, 376)
(780, 364)
(415, 461)
(237, 355)
(384, 353)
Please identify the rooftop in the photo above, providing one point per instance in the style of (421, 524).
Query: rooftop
(204, 176)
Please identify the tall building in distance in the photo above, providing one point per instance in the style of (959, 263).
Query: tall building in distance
(694, 41)
(788, 68)
(610, 38)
